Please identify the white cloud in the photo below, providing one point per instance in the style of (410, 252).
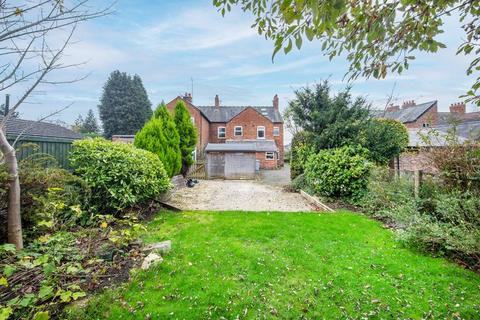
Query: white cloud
(194, 29)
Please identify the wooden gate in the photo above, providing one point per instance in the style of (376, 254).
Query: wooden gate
(197, 171)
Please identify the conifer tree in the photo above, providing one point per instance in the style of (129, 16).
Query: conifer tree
(90, 124)
(124, 107)
(188, 134)
(160, 136)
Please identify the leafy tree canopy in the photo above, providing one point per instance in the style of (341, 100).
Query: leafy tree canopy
(377, 37)
(334, 121)
(188, 134)
(385, 139)
(124, 106)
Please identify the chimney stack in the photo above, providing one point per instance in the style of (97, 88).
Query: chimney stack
(392, 108)
(217, 101)
(408, 104)
(458, 107)
(188, 97)
(275, 102)
(7, 104)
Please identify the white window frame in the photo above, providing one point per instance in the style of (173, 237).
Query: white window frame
(192, 119)
(194, 154)
(224, 132)
(235, 131)
(267, 155)
(264, 132)
(277, 129)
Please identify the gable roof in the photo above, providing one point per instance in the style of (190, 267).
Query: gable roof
(467, 130)
(15, 127)
(226, 113)
(410, 114)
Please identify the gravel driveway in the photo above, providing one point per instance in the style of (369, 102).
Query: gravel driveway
(219, 195)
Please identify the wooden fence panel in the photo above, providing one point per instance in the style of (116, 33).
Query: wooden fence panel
(197, 171)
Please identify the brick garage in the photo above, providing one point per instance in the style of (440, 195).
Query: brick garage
(240, 160)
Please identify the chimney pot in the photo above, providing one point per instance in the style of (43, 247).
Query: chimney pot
(458, 107)
(408, 104)
(275, 102)
(187, 97)
(217, 101)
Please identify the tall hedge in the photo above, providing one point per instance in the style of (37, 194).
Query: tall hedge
(160, 136)
(300, 150)
(119, 175)
(188, 134)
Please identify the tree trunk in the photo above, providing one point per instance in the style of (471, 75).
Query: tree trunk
(14, 221)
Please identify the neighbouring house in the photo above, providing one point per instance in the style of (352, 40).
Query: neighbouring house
(236, 140)
(419, 119)
(50, 138)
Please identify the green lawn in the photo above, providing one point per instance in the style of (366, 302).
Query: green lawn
(287, 265)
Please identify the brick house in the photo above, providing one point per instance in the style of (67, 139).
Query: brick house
(419, 118)
(253, 131)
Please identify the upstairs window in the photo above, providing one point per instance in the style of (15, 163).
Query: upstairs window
(222, 132)
(238, 131)
(260, 132)
(276, 131)
(192, 119)
(269, 155)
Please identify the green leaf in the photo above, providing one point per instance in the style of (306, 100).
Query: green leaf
(8, 270)
(298, 42)
(45, 292)
(66, 296)
(288, 48)
(5, 312)
(41, 315)
(79, 294)
(3, 282)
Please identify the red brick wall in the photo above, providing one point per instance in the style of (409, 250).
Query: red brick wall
(416, 160)
(201, 123)
(430, 117)
(264, 163)
(213, 133)
(249, 120)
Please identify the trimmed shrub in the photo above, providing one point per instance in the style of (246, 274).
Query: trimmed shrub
(160, 136)
(188, 134)
(339, 172)
(119, 175)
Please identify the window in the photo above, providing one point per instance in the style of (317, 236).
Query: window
(194, 155)
(193, 119)
(276, 131)
(426, 125)
(260, 132)
(238, 131)
(222, 132)
(269, 155)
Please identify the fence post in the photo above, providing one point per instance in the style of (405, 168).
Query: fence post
(417, 183)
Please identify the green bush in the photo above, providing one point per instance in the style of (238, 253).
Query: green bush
(441, 221)
(52, 198)
(384, 139)
(160, 136)
(119, 175)
(301, 149)
(340, 172)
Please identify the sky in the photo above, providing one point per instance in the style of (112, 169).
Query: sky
(169, 43)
